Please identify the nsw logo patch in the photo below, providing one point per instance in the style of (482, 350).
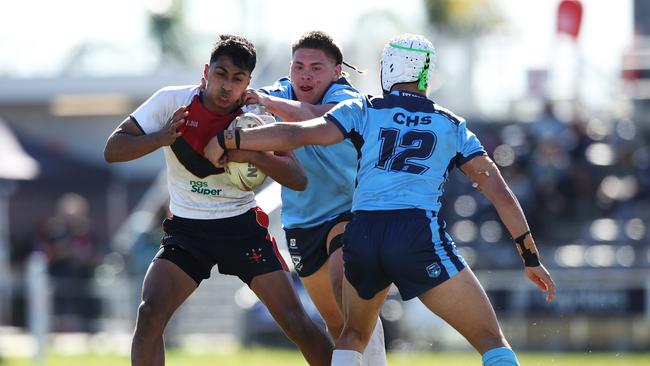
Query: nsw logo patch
(297, 262)
(433, 270)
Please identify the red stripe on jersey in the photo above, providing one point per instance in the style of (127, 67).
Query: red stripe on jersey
(263, 220)
(201, 124)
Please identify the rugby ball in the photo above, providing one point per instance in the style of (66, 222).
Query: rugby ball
(245, 176)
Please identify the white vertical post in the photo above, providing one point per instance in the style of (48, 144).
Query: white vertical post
(38, 300)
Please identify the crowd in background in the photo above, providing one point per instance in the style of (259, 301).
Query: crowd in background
(582, 181)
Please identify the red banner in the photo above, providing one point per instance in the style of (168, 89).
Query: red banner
(569, 17)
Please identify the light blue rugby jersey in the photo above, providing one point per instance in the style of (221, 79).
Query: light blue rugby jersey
(408, 146)
(330, 170)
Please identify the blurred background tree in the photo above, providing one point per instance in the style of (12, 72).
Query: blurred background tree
(462, 18)
(166, 27)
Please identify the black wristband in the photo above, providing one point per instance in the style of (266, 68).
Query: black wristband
(221, 140)
(530, 259)
(237, 139)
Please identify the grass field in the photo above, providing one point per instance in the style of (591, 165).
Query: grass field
(267, 357)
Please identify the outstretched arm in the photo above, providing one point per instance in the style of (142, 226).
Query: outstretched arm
(279, 136)
(485, 174)
(283, 168)
(128, 142)
(288, 110)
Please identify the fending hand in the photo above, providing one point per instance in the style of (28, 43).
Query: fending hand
(169, 132)
(542, 279)
(252, 96)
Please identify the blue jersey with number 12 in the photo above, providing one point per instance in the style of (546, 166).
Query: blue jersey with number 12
(408, 146)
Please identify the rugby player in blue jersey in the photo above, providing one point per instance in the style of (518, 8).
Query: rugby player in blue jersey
(314, 219)
(408, 146)
(213, 222)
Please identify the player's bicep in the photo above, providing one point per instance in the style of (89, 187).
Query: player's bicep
(129, 127)
(479, 169)
(485, 175)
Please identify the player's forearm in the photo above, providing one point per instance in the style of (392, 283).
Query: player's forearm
(293, 111)
(506, 204)
(124, 147)
(279, 136)
(512, 216)
(285, 169)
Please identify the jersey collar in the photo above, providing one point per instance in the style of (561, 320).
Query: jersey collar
(403, 93)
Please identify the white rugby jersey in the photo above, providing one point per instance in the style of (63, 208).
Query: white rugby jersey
(197, 189)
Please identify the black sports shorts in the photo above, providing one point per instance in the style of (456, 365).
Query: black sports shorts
(308, 247)
(240, 246)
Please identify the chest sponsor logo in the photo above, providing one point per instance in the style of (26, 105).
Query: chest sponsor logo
(201, 187)
(191, 123)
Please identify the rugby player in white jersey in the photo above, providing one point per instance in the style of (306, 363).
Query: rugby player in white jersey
(212, 221)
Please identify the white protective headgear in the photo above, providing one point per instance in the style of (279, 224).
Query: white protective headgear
(406, 58)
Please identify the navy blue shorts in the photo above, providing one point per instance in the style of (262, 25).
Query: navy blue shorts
(308, 246)
(240, 246)
(409, 248)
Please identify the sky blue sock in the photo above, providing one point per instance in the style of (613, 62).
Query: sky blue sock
(502, 356)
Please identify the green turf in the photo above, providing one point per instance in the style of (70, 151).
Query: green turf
(265, 357)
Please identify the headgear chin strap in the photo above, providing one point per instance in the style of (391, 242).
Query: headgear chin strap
(424, 74)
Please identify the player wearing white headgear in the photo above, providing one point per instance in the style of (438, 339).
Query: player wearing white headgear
(405, 59)
(408, 146)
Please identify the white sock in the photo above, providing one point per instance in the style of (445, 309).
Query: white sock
(346, 357)
(375, 352)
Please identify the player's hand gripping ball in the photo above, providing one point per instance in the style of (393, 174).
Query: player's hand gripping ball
(245, 176)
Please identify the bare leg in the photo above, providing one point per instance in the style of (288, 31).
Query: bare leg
(275, 290)
(319, 288)
(462, 302)
(164, 289)
(375, 352)
(336, 264)
(360, 318)
(324, 286)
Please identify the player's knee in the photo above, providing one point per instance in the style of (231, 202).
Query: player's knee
(149, 314)
(334, 325)
(352, 335)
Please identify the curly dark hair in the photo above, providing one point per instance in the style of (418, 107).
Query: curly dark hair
(239, 49)
(320, 41)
